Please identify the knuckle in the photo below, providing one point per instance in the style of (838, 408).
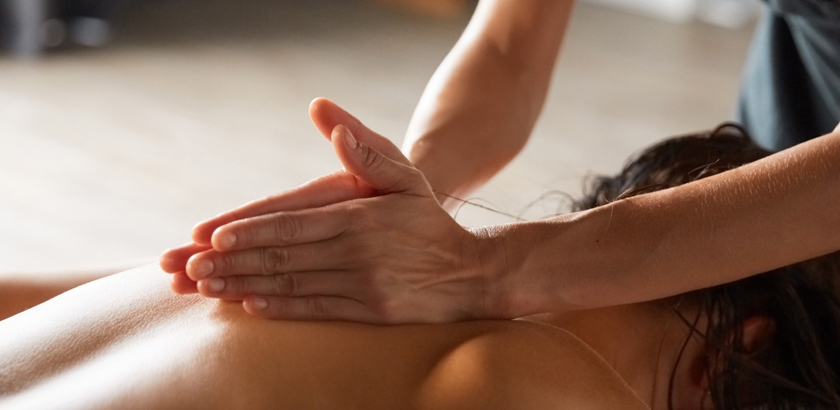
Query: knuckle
(285, 285)
(372, 159)
(358, 217)
(414, 176)
(223, 263)
(274, 260)
(410, 179)
(286, 228)
(278, 282)
(294, 288)
(316, 308)
(233, 285)
(387, 311)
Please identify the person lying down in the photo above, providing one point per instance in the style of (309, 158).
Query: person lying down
(127, 341)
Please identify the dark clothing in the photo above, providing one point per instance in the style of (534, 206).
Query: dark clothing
(790, 92)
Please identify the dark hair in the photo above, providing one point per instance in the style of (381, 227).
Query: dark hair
(798, 365)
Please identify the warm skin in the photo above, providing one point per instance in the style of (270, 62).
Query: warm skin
(774, 212)
(22, 290)
(475, 115)
(380, 259)
(100, 346)
(481, 104)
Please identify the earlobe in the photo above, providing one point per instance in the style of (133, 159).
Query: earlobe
(700, 372)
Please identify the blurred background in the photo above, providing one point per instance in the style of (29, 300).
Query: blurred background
(125, 122)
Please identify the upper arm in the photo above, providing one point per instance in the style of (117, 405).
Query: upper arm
(523, 367)
(527, 32)
(482, 102)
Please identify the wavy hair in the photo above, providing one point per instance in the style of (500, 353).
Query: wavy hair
(797, 365)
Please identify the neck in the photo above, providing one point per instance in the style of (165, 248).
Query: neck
(641, 342)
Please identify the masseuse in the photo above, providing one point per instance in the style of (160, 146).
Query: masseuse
(374, 243)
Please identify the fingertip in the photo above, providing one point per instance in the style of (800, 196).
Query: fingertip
(319, 113)
(167, 261)
(223, 240)
(255, 305)
(319, 103)
(211, 287)
(199, 268)
(175, 259)
(189, 268)
(201, 233)
(182, 284)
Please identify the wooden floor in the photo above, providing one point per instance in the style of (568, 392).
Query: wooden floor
(112, 154)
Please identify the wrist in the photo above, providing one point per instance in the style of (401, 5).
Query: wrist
(570, 262)
(509, 288)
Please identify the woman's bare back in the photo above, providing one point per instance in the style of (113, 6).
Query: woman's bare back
(127, 341)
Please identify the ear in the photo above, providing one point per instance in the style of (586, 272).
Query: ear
(326, 115)
(700, 367)
(757, 331)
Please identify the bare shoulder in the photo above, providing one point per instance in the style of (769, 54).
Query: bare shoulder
(525, 365)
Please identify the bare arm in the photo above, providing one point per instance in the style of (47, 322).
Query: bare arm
(398, 257)
(480, 106)
(474, 117)
(776, 211)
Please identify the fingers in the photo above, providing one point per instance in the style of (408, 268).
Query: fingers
(329, 189)
(337, 187)
(175, 260)
(295, 284)
(309, 308)
(281, 228)
(326, 115)
(269, 260)
(182, 285)
(379, 171)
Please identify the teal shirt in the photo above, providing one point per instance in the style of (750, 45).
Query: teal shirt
(790, 91)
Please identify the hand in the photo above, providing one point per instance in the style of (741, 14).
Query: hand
(332, 188)
(395, 257)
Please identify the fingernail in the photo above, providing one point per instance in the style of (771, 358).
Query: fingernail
(351, 142)
(227, 240)
(214, 284)
(203, 268)
(259, 303)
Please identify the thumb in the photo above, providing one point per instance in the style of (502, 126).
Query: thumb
(326, 115)
(382, 173)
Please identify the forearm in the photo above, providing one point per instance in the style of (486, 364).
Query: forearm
(774, 212)
(481, 104)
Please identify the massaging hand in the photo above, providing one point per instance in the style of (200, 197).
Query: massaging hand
(368, 244)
